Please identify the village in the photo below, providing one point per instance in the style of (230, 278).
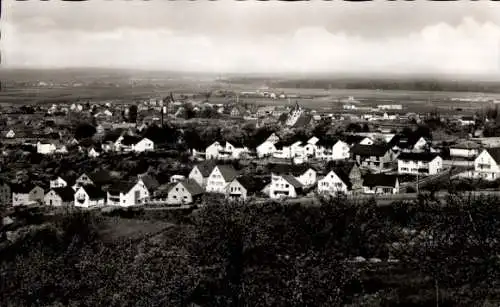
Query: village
(287, 151)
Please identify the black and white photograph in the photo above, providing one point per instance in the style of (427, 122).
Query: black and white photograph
(249, 153)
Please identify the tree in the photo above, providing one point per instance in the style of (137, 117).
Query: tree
(84, 131)
(132, 113)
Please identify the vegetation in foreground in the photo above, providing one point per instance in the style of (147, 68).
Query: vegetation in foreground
(417, 254)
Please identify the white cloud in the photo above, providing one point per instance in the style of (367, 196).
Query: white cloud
(470, 47)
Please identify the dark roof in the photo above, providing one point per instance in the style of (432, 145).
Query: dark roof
(293, 181)
(235, 143)
(206, 167)
(379, 180)
(130, 140)
(22, 188)
(303, 120)
(494, 153)
(228, 172)
(94, 192)
(326, 142)
(291, 169)
(253, 184)
(100, 176)
(150, 182)
(66, 193)
(369, 150)
(343, 175)
(121, 187)
(466, 145)
(287, 143)
(417, 156)
(353, 139)
(192, 186)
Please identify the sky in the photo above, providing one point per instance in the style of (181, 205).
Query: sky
(229, 36)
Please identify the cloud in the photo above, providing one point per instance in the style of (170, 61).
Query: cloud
(469, 47)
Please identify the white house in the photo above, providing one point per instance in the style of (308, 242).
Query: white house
(486, 165)
(265, 149)
(225, 150)
(58, 197)
(45, 148)
(219, 178)
(335, 182)
(93, 153)
(332, 150)
(289, 150)
(144, 145)
(376, 157)
(184, 192)
(26, 194)
(89, 196)
(58, 183)
(284, 186)
(10, 134)
(305, 174)
(128, 143)
(380, 184)
(126, 194)
(467, 149)
(201, 172)
(309, 147)
(422, 163)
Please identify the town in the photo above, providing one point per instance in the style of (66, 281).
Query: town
(175, 151)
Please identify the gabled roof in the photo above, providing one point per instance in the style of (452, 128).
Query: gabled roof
(466, 145)
(253, 184)
(121, 187)
(206, 167)
(235, 143)
(150, 182)
(100, 176)
(94, 192)
(417, 156)
(228, 172)
(192, 186)
(494, 153)
(66, 193)
(327, 142)
(353, 139)
(291, 169)
(22, 188)
(343, 175)
(286, 143)
(380, 180)
(369, 150)
(303, 120)
(293, 181)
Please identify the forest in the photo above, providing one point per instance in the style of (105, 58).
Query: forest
(339, 253)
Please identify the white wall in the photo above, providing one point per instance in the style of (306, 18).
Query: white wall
(20, 199)
(235, 188)
(279, 184)
(265, 149)
(332, 184)
(197, 176)
(486, 167)
(58, 183)
(412, 167)
(462, 152)
(56, 199)
(179, 195)
(308, 178)
(216, 183)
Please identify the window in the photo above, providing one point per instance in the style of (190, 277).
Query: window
(287, 185)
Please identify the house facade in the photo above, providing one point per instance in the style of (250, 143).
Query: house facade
(284, 186)
(127, 194)
(335, 150)
(265, 149)
(144, 145)
(378, 158)
(219, 178)
(58, 183)
(332, 184)
(224, 150)
(184, 192)
(26, 194)
(201, 172)
(465, 149)
(59, 197)
(380, 184)
(419, 163)
(486, 165)
(89, 196)
(236, 191)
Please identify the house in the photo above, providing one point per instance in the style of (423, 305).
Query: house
(61, 196)
(284, 186)
(419, 163)
(184, 192)
(265, 111)
(58, 182)
(289, 149)
(128, 143)
(238, 111)
(26, 194)
(486, 165)
(265, 149)
(380, 184)
(331, 149)
(126, 194)
(144, 145)
(245, 186)
(89, 196)
(201, 172)
(273, 138)
(375, 157)
(410, 144)
(45, 148)
(97, 178)
(225, 150)
(219, 178)
(5, 194)
(94, 152)
(344, 178)
(10, 134)
(176, 178)
(467, 149)
(309, 146)
(150, 182)
(304, 173)
(467, 120)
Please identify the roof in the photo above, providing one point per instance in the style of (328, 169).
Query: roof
(470, 118)
(22, 188)
(228, 172)
(286, 143)
(253, 184)
(354, 139)
(327, 142)
(369, 150)
(293, 181)
(343, 174)
(379, 180)
(94, 192)
(150, 182)
(130, 140)
(466, 145)
(192, 186)
(303, 120)
(417, 156)
(206, 167)
(494, 153)
(66, 193)
(121, 187)
(291, 169)
(100, 176)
